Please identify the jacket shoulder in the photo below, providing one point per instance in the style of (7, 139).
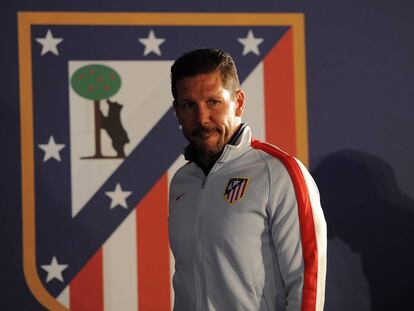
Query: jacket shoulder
(292, 165)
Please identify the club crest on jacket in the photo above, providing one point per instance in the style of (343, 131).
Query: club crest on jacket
(235, 189)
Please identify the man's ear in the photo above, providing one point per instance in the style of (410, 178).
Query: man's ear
(240, 100)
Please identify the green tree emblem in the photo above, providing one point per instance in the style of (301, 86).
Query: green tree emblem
(98, 82)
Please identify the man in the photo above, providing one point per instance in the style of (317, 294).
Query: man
(245, 223)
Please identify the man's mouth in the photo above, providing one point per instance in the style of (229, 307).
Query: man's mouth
(203, 132)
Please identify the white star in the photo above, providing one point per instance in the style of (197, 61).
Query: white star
(251, 44)
(51, 149)
(152, 43)
(49, 43)
(118, 196)
(54, 270)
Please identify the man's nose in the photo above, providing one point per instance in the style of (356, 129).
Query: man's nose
(203, 114)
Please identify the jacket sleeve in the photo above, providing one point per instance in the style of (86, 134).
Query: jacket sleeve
(298, 231)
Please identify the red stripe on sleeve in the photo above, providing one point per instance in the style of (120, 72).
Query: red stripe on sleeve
(86, 289)
(307, 227)
(153, 249)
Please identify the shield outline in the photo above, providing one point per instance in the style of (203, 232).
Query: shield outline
(27, 19)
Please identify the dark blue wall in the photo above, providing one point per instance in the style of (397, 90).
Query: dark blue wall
(360, 76)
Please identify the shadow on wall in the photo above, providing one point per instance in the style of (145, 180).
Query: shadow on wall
(365, 209)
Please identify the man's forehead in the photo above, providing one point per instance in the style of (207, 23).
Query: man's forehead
(202, 83)
(204, 76)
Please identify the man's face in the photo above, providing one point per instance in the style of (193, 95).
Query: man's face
(208, 113)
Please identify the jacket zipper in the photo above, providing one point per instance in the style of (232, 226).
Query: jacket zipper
(197, 241)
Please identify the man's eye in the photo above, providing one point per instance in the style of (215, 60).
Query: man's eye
(213, 102)
(186, 105)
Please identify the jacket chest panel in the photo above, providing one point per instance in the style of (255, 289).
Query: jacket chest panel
(233, 207)
(227, 212)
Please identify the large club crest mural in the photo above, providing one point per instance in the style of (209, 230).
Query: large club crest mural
(100, 141)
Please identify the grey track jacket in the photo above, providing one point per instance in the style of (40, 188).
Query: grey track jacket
(250, 235)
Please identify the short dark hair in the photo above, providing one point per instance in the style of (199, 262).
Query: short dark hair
(202, 61)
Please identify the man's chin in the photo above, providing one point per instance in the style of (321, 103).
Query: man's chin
(208, 151)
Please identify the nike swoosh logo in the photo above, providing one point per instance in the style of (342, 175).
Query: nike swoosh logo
(180, 196)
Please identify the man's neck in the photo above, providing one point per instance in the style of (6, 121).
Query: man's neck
(207, 163)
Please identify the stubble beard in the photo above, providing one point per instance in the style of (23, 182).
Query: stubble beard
(206, 152)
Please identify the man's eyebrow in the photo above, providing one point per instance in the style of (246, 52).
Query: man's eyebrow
(215, 98)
